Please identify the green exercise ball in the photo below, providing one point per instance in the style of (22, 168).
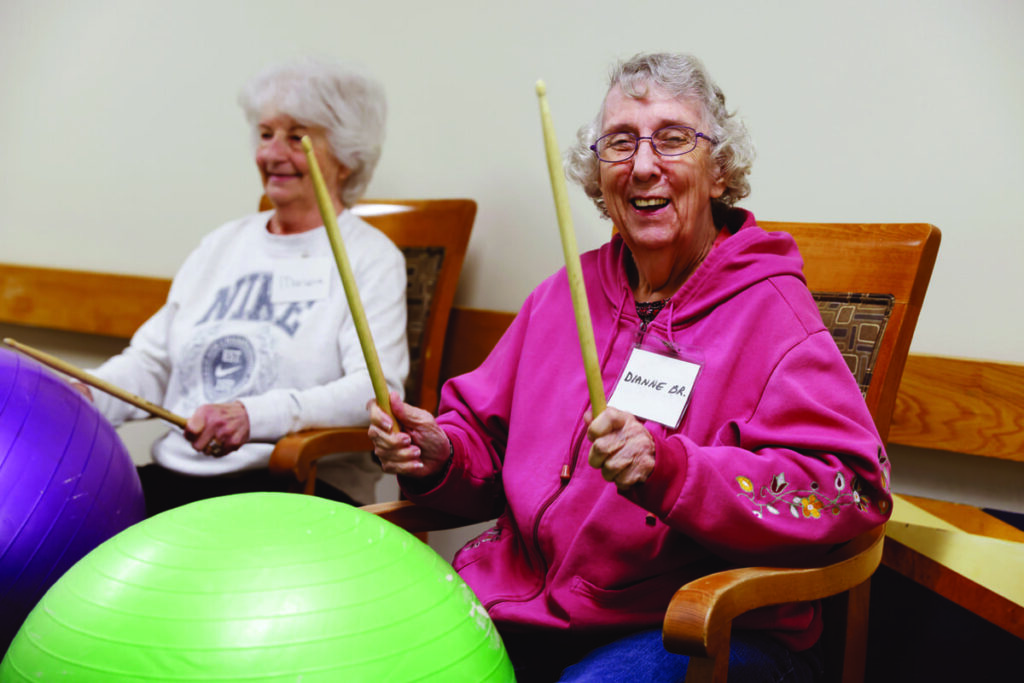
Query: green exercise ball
(259, 587)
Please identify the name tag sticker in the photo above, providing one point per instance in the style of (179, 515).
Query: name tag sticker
(301, 279)
(655, 387)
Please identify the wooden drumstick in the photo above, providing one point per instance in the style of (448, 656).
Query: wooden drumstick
(584, 326)
(348, 281)
(93, 381)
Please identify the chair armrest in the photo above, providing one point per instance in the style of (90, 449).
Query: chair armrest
(417, 518)
(297, 453)
(699, 617)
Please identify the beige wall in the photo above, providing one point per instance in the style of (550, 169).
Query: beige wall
(122, 143)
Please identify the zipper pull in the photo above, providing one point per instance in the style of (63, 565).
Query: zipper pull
(640, 333)
(564, 474)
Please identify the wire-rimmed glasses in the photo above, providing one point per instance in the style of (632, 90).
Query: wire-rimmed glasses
(670, 141)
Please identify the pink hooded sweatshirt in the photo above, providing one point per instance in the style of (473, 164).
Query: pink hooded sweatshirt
(776, 458)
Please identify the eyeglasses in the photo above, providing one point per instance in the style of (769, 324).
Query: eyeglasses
(670, 141)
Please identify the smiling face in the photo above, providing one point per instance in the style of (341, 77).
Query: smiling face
(284, 168)
(659, 203)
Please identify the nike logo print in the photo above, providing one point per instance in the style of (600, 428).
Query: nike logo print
(224, 371)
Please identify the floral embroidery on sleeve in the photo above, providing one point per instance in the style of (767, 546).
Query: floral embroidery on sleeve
(779, 495)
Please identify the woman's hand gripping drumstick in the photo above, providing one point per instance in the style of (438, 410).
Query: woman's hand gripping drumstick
(212, 447)
(94, 381)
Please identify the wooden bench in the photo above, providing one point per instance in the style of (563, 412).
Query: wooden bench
(961, 552)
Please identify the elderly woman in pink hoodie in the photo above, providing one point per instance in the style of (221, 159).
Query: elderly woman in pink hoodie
(735, 432)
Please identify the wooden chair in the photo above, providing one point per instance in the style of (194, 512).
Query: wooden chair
(869, 266)
(434, 235)
(869, 281)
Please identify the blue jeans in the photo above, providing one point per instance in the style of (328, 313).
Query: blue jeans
(753, 658)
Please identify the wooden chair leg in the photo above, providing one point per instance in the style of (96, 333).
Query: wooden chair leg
(856, 651)
(704, 670)
(845, 641)
(309, 487)
(709, 669)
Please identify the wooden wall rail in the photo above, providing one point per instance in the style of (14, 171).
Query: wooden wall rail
(963, 406)
(77, 300)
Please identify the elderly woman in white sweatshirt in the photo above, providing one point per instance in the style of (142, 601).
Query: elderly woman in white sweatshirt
(256, 339)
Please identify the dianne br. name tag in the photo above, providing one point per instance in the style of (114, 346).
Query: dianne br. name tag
(301, 279)
(654, 386)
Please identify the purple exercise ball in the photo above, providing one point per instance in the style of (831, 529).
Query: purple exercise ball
(67, 483)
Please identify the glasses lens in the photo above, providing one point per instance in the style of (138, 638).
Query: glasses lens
(616, 146)
(674, 140)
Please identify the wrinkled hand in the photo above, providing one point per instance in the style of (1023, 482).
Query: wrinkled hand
(622, 448)
(216, 429)
(83, 389)
(418, 449)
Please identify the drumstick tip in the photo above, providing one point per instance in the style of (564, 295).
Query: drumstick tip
(307, 144)
(542, 89)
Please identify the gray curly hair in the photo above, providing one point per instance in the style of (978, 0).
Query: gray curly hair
(342, 99)
(685, 77)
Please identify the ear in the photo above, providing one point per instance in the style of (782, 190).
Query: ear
(343, 172)
(717, 181)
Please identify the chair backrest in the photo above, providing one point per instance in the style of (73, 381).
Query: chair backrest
(434, 235)
(869, 280)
